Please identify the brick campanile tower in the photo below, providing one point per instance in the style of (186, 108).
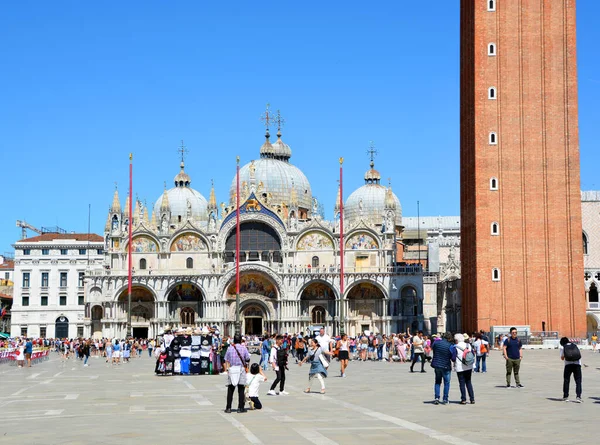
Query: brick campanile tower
(521, 236)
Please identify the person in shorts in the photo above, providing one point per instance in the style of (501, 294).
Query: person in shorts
(116, 354)
(28, 352)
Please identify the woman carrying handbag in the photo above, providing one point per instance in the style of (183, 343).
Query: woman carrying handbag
(317, 370)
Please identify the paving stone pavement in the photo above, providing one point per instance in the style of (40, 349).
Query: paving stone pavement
(59, 402)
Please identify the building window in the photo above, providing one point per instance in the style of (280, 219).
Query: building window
(491, 5)
(492, 49)
(585, 244)
(80, 280)
(318, 315)
(80, 300)
(6, 275)
(24, 301)
(23, 331)
(493, 184)
(188, 316)
(495, 228)
(493, 138)
(189, 263)
(492, 93)
(45, 251)
(142, 264)
(63, 279)
(64, 252)
(82, 251)
(43, 331)
(44, 279)
(593, 294)
(315, 261)
(44, 300)
(495, 274)
(26, 279)
(100, 251)
(79, 331)
(26, 251)
(63, 300)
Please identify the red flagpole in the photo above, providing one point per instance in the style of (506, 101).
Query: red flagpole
(341, 248)
(129, 259)
(237, 249)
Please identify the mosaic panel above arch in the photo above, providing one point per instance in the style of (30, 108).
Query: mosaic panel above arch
(318, 291)
(253, 284)
(365, 291)
(188, 242)
(361, 241)
(314, 241)
(143, 244)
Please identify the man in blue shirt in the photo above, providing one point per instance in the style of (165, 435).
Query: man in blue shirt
(265, 350)
(513, 354)
(28, 351)
(442, 366)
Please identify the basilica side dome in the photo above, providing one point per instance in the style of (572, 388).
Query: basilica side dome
(370, 201)
(275, 177)
(183, 200)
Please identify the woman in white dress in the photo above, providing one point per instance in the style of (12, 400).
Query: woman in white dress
(20, 354)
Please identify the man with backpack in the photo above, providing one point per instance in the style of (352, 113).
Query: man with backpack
(513, 354)
(463, 358)
(570, 354)
(278, 360)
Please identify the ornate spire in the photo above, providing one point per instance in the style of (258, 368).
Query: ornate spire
(182, 179)
(390, 202)
(116, 203)
(108, 221)
(153, 222)
(136, 212)
(164, 205)
(212, 200)
(337, 200)
(126, 212)
(146, 216)
(280, 122)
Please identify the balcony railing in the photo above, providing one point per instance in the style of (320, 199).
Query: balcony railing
(593, 305)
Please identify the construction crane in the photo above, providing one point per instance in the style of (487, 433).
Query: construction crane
(24, 225)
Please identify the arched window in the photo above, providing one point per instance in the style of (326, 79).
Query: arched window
(187, 316)
(493, 184)
(593, 296)
(315, 261)
(318, 315)
(259, 241)
(585, 245)
(495, 230)
(410, 303)
(189, 263)
(492, 93)
(496, 274)
(491, 5)
(142, 264)
(492, 49)
(493, 138)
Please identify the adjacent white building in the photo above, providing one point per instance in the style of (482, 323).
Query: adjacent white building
(49, 283)
(590, 209)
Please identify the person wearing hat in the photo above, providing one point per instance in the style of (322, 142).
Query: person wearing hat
(463, 367)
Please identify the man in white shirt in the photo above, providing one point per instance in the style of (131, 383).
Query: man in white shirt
(324, 341)
(418, 351)
(277, 361)
(572, 366)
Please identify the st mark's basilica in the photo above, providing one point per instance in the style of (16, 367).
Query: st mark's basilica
(183, 253)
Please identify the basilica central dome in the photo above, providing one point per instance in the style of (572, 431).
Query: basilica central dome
(182, 200)
(275, 177)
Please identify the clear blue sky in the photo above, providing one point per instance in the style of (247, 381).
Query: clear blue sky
(85, 83)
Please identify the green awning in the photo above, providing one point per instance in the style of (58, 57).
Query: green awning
(3, 335)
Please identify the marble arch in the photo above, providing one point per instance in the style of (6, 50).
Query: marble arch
(358, 230)
(142, 234)
(257, 300)
(189, 231)
(252, 217)
(227, 278)
(123, 288)
(336, 291)
(321, 231)
(374, 283)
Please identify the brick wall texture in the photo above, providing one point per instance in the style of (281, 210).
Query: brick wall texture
(536, 161)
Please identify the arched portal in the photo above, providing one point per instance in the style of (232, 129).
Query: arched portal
(253, 283)
(318, 300)
(96, 321)
(142, 309)
(258, 242)
(61, 327)
(366, 308)
(185, 296)
(253, 320)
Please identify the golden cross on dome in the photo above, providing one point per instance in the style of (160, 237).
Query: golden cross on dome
(372, 152)
(280, 121)
(267, 117)
(183, 150)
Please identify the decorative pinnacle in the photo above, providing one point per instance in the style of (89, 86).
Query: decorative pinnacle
(183, 150)
(116, 188)
(280, 123)
(341, 161)
(237, 160)
(267, 117)
(372, 152)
